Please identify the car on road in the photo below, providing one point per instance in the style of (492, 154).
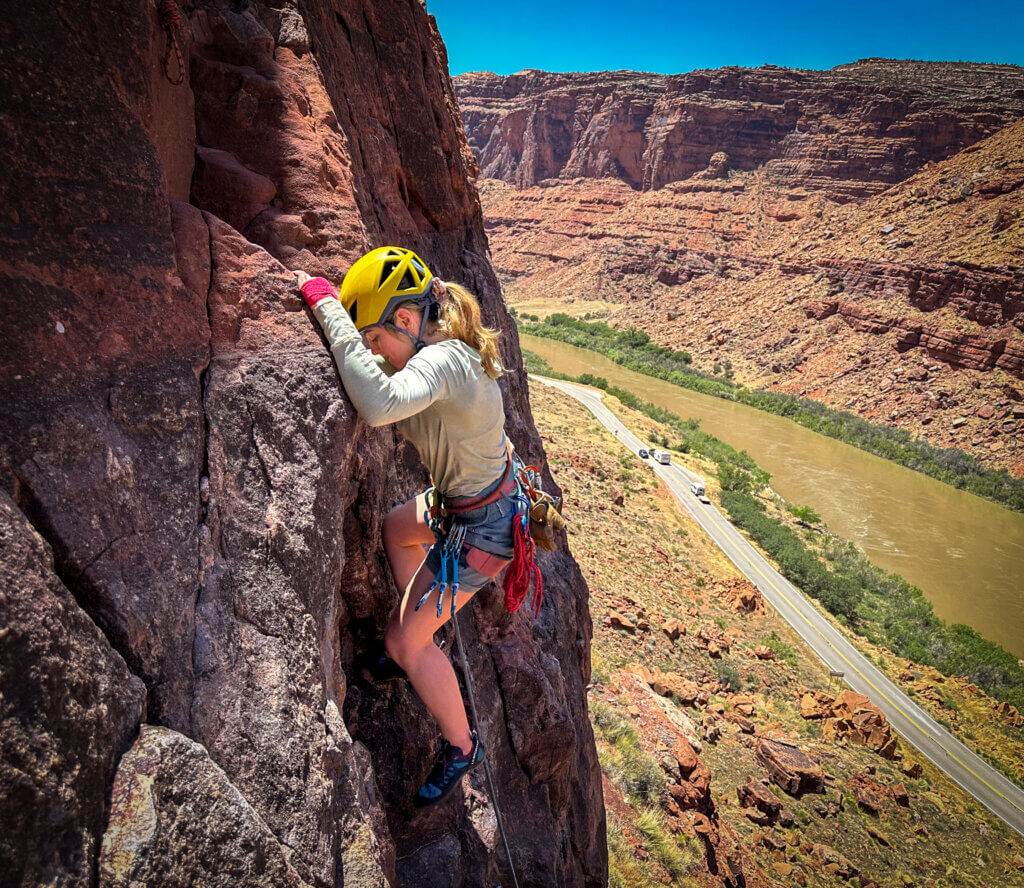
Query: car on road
(662, 457)
(643, 453)
(697, 489)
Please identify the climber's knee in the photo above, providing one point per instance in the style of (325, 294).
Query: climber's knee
(400, 644)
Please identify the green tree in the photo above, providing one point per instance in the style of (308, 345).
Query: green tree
(805, 515)
(733, 478)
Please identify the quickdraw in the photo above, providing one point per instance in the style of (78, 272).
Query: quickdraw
(451, 550)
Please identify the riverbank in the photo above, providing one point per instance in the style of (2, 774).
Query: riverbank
(878, 608)
(633, 349)
(964, 551)
(659, 588)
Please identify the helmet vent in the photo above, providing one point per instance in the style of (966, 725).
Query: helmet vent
(408, 282)
(352, 310)
(386, 269)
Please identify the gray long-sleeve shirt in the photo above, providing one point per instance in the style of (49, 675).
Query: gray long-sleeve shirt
(442, 401)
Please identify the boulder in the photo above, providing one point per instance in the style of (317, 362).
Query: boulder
(912, 769)
(815, 704)
(673, 629)
(828, 857)
(755, 794)
(866, 793)
(900, 796)
(744, 705)
(789, 767)
(693, 791)
(851, 717)
(621, 621)
(666, 683)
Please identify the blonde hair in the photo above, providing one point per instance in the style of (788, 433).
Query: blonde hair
(459, 318)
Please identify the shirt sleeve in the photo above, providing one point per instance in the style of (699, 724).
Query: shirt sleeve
(380, 399)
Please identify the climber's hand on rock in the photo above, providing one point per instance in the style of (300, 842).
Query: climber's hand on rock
(314, 290)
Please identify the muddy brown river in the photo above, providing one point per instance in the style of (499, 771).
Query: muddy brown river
(965, 553)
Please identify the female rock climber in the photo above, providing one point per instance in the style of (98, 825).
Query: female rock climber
(437, 381)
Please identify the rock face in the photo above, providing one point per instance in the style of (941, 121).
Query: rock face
(68, 710)
(176, 819)
(851, 235)
(175, 431)
(648, 130)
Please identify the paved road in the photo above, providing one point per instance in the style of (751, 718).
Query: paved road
(1004, 798)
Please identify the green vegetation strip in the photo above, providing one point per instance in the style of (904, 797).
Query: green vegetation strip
(881, 606)
(632, 348)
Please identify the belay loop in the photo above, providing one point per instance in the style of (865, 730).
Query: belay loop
(170, 21)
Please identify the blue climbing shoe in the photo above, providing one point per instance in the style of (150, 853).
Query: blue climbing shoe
(449, 768)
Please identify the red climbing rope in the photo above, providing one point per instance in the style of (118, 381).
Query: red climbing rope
(170, 21)
(519, 573)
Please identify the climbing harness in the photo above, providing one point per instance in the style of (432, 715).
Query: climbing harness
(170, 21)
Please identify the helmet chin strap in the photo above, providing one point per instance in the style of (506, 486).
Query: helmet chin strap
(418, 342)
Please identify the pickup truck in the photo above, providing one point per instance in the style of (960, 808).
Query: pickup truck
(697, 489)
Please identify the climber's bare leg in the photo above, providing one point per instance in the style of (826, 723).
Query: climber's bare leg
(405, 533)
(410, 642)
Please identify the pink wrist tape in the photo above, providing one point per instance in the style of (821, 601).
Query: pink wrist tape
(315, 290)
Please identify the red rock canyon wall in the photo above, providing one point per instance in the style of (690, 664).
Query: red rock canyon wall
(192, 509)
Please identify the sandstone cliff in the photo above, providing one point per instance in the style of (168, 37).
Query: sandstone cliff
(851, 130)
(192, 509)
(866, 253)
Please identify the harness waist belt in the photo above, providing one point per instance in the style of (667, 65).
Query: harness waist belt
(504, 488)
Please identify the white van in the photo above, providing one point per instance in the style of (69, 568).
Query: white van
(697, 489)
(662, 457)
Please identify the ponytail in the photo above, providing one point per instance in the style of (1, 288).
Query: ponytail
(460, 319)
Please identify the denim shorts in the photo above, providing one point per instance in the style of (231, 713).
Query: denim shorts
(488, 546)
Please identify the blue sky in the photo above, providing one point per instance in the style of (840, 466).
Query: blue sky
(653, 35)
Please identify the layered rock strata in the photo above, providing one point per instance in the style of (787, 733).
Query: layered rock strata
(175, 432)
(850, 130)
(871, 263)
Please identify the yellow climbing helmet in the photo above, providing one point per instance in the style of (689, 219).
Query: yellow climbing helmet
(381, 281)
